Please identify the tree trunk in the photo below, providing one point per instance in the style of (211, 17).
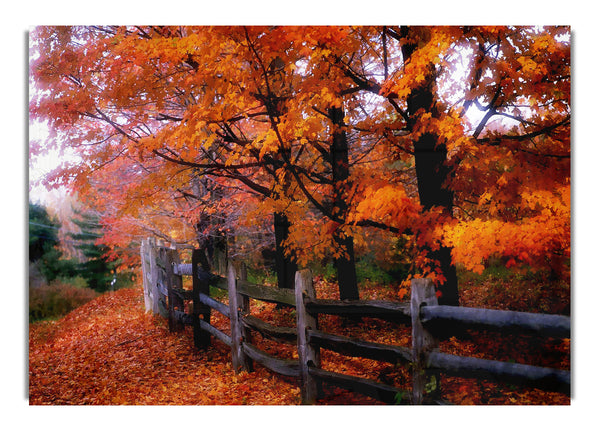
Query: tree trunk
(345, 265)
(346, 269)
(432, 173)
(217, 252)
(285, 267)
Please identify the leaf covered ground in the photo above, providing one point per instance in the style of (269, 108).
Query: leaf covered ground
(110, 352)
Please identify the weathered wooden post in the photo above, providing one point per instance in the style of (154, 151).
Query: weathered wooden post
(241, 272)
(150, 271)
(162, 279)
(239, 359)
(145, 256)
(155, 295)
(308, 355)
(422, 293)
(174, 283)
(244, 306)
(199, 285)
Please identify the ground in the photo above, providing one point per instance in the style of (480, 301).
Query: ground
(110, 351)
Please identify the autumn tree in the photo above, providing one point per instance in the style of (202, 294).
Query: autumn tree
(335, 131)
(222, 136)
(482, 174)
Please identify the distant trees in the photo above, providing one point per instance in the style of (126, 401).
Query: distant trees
(44, 254)
(43, 232)
(94, 270)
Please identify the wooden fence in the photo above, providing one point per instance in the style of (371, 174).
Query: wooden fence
(164, 294)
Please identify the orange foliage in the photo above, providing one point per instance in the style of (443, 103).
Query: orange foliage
(180, 125)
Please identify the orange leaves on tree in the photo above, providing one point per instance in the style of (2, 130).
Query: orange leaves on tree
(533, 241)
(389, 205)
(434, 42)
(245, 113)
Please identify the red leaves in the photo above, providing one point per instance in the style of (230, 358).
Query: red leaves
(110, 352)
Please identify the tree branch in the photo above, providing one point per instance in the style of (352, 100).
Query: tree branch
(543, 131)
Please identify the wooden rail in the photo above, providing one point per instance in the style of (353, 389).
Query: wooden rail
(379, 391)
(163, 294)
(280, 334)
(387, 310)
(537, 377)
(358, 348)
(266, 293)
(510, 321)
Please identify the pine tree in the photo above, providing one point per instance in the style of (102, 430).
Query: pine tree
(95, 268)
(43, 246)
(43, 232)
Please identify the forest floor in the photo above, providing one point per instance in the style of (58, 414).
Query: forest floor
(110, 352)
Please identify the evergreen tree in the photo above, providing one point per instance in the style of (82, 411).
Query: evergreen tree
(95, 269)
(43, 232)
(43, 245)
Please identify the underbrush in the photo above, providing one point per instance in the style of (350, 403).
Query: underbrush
(368, 272)
(54, 300)
(500, 288)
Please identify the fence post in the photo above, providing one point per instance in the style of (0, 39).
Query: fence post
(162, 279)
(422, 293)
(153, 275)
(241, 272)
(174, 281)
(145, 256)
(244, 305)
(199, 285)
(307, 354)
(239, 359)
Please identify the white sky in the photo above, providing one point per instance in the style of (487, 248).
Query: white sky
(41, 166)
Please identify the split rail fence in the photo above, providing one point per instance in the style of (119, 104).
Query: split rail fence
(164, 295)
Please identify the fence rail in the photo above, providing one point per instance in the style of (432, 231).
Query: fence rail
(386, 310)
(164, 294)
(511, 321)
(359, 348)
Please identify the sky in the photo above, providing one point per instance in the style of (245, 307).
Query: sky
(41, 166)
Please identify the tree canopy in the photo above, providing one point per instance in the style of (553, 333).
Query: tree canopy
(455, 140)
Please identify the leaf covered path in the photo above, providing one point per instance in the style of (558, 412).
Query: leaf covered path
(110, 351)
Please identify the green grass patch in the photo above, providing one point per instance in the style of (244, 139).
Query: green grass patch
(262, 276)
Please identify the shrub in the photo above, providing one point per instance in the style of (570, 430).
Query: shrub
(56, 299)
(502, 288)
(77, 281)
